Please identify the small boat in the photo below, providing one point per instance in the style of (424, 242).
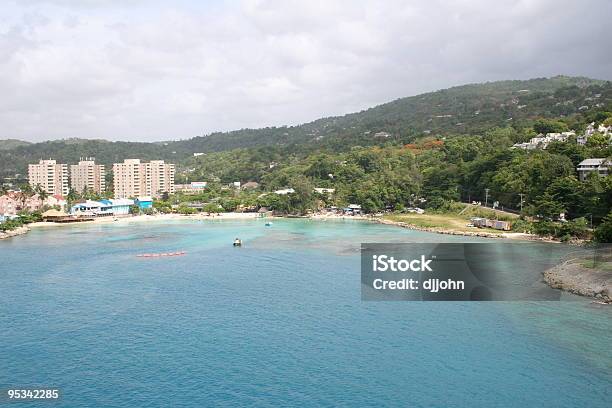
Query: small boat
(237, 242)
(268, 224)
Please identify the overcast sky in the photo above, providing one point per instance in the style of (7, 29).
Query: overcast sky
(152, 70)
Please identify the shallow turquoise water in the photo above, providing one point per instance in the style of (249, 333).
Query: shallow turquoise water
(277, 322)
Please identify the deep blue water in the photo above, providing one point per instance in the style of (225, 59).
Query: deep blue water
(277, 322)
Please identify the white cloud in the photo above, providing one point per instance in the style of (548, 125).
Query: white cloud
(148, 71)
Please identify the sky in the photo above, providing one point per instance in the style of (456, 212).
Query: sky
(145, 70)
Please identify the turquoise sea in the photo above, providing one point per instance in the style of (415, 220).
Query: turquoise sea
(278, 322)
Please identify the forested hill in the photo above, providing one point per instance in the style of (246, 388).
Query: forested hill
(468, 109)
(8, 144)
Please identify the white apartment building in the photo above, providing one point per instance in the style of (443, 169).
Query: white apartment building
(132, 178)
(50, 175)
(161, 178)
(87, 175)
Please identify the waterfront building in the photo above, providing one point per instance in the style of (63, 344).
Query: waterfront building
(120, 206)
(91, 209)
(494, 224)
(102, 208)
(87, 175)
(353, 209)
(9, 204)
(144, 202)
(15, 201)
(55, 200)
(133, 178)
(50, 175)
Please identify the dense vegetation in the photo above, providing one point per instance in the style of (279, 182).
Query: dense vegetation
(430, 151)
(23, 218)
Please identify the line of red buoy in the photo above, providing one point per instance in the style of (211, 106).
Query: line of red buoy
(179, 253)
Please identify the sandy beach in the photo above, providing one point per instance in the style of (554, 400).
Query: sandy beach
(316, 216)
(157, 217)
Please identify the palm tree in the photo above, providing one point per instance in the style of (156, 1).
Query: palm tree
(72, 197)
(26, 192)
(42, 194)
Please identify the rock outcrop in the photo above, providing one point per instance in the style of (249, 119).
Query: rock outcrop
(576, 278)
(14, 232)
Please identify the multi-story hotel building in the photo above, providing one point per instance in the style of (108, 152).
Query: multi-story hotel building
(161, 178)
(135, 179)
(51, 176)
(87, 175)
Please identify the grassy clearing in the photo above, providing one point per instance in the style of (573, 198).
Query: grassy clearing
(601, 266)
(452, 220)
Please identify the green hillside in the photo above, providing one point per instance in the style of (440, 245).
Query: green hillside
(468, 109)
(8, 144)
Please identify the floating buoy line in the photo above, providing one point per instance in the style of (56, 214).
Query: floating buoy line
(160, 255)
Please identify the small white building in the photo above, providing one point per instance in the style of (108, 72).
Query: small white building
(382, 135)
(590, 131)
(542, 141)
(284, 191)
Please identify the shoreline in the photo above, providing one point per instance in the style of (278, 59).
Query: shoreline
(253, 216)
(574, 277)
(15, 232)
(481, 234)
(145, 218)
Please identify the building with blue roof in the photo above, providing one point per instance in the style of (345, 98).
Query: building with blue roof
(144, 202)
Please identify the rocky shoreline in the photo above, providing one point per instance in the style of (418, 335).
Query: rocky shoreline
(13, 233)
(575, 278)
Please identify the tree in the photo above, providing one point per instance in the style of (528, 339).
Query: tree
(603, 233)
(42, 194)
(72, 197)
(598, 141)
(303, 198)
(26, 192)
(183, 209)
(547, 207)
(570, 194)
(440, 185)
(549, 126)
